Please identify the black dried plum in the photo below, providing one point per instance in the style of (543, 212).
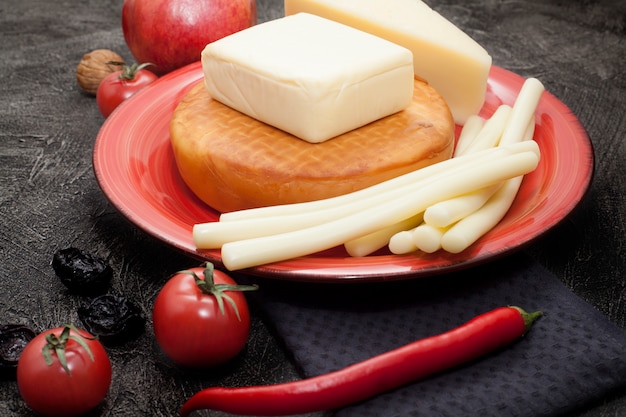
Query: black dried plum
(82, 272)
(112, 318)
(13, 340)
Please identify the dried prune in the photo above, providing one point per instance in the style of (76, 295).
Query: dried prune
(13, 340)
(113, 318)
(82, 272)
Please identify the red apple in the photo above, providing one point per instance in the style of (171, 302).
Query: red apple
(172, 33)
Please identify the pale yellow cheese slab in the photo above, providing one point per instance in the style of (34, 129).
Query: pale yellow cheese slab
(450, 60)
(309, 76)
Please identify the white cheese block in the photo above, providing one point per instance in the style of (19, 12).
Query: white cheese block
(309, 76)
(450, 60)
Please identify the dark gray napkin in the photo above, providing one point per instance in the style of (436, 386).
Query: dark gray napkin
(572, 356)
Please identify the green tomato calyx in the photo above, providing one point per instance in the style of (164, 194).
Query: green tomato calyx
(129, 71)
(57, 345)
(209, 287)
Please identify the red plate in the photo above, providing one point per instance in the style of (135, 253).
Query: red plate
(135, 168)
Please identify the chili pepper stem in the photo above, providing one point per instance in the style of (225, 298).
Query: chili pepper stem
(529, 318)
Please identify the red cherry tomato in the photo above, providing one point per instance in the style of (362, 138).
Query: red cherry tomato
(53, 384)
(120, 85)
(201, 317)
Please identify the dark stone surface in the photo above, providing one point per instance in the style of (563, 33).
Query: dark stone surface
(49, 198)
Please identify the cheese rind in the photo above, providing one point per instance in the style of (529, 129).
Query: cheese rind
(232, 161)
(449, 59)
(309, 76)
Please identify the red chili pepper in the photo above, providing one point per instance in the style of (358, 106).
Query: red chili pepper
(481, 335)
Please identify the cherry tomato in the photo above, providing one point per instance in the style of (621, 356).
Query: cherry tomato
(63, 372)
(201, 317)
(120, 85)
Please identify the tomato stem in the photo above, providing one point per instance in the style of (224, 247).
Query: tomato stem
(58, 344)
(209, 287)
(129, 71)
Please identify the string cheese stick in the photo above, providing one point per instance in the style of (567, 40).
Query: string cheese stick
(464, 233)
(370, 243)
(530, 130)
(492, 130)
(444, 213)
(215, 234)
(251, 252)
(374, 190)
(427, 238)
(523, 111)
(470, 130)
(402, 242)
(468, 230)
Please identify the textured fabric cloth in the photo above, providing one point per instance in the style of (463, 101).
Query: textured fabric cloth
(572, 356)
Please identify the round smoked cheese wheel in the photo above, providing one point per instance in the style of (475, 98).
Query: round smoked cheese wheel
(233, 162)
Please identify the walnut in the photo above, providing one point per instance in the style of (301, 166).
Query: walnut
(94, 66)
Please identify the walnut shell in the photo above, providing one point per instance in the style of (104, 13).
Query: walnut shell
(94, 66)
